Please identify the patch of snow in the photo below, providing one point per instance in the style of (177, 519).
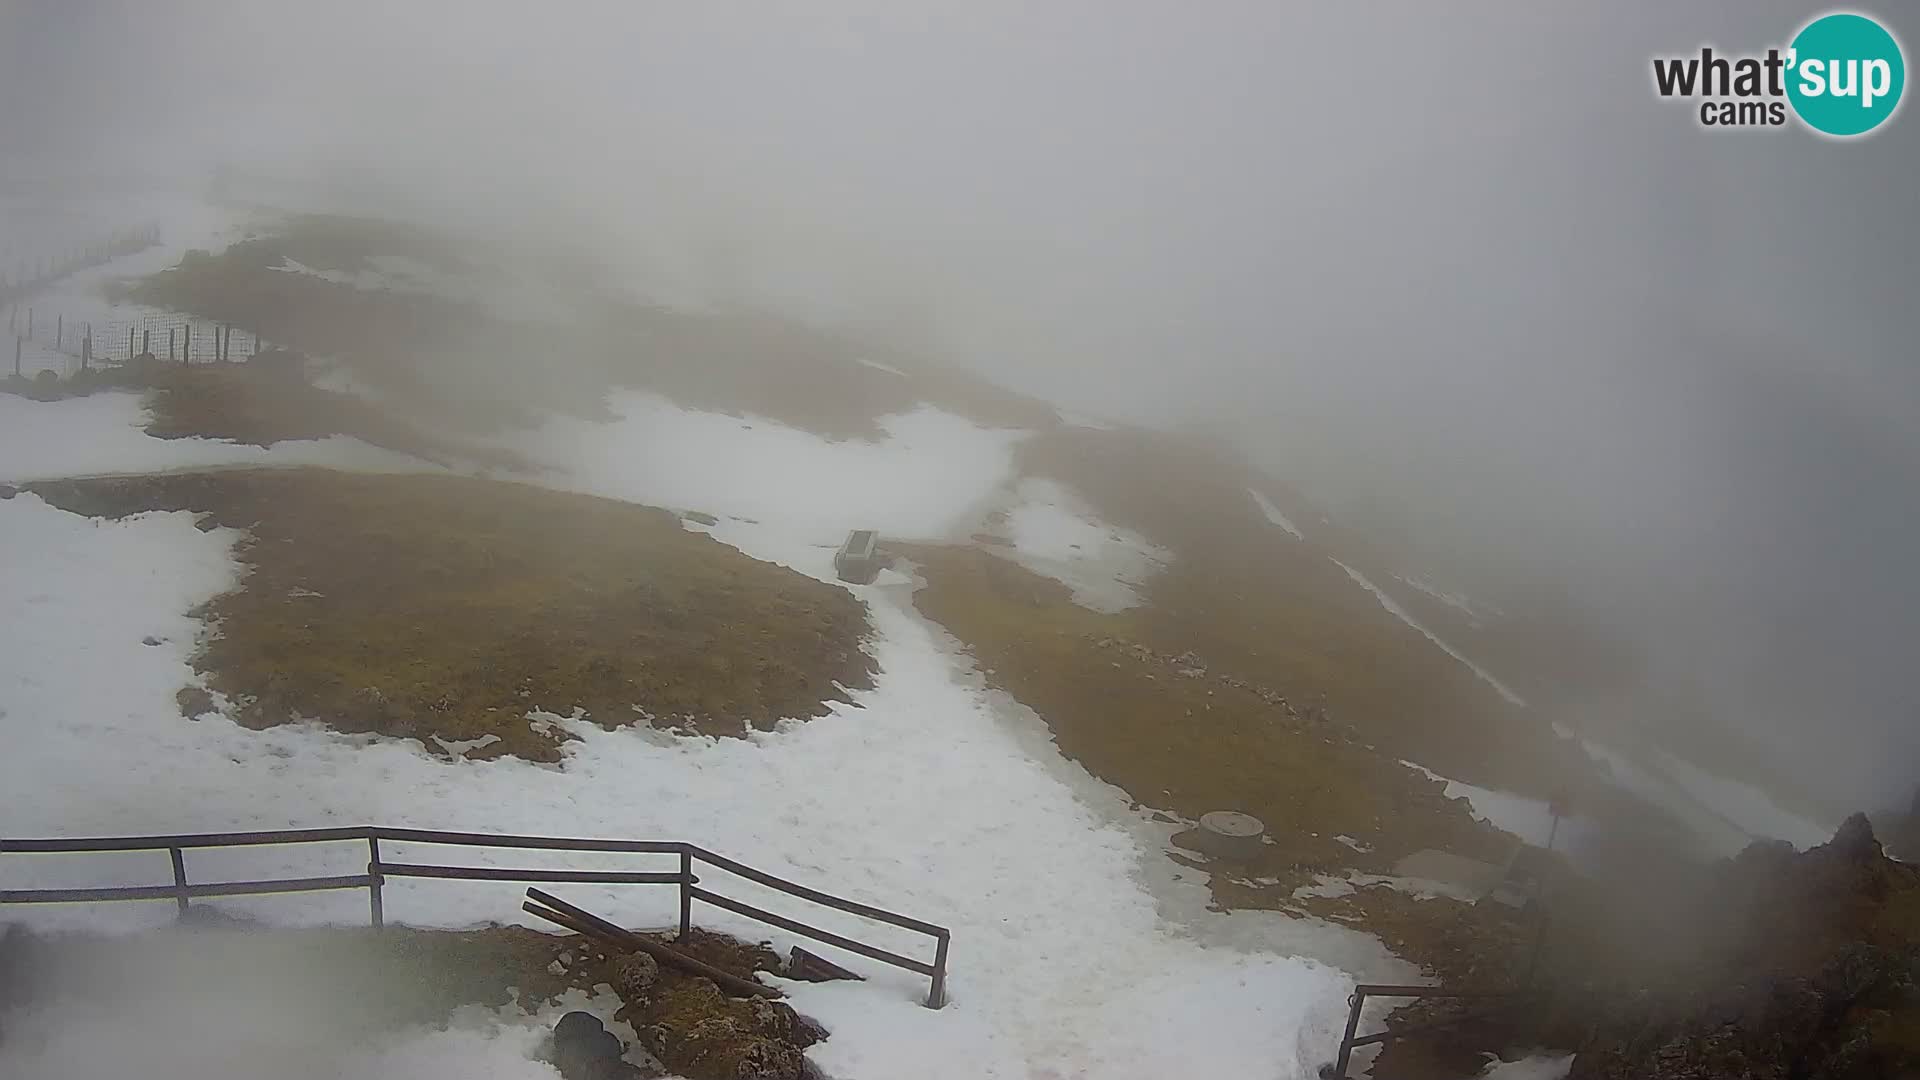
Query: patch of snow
(917, 798)
(1540, 1067)
(1715, 834)
(1334, 886)
(1453, 600)
(1054, 533)
(1746, 806)
(1082, 420)
(104, 433)
(1723, 815)
(922, 481)
(1274, 515)
(1526, 817)
(458, 747)
(878, 366)
(1400, 613)
(1354, 844)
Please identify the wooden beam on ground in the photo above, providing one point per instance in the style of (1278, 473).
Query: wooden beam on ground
(584, 922)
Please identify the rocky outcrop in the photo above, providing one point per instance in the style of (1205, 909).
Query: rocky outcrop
(1811, 975)
(697, 1031)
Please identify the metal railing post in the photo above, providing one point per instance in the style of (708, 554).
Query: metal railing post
(179, 878)
(686, 894)
(1346, 1041)
(937, 995)
(375, 903)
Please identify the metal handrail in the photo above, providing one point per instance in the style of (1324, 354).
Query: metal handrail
(1358, 998)
(181, 892)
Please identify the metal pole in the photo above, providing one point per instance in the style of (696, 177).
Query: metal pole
(179, 879)
(937, 994)
(374, 901)
(686, 894)
(1339, 1067)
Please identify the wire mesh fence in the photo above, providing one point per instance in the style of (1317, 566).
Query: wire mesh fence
(52, 343)
(21, 277)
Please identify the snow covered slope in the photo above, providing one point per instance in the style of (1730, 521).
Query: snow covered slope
(930, 794)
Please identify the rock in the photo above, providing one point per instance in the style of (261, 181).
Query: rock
(149, 640)
(8, 491)
(1855, 840)
(634, 976)
(583, 1049)
(556, 968)
(194, 702)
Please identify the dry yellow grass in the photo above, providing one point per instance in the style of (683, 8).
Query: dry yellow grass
(423, 606)
(1187, 744)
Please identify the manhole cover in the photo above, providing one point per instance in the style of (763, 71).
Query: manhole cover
(1228, 834)
(1232, 824)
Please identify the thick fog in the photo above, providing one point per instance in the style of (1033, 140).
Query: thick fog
(1454, 272)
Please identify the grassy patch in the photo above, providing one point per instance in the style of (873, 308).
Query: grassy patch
(468, 367)
(422, 606)
(1187, 743)
(261, 403)
(1270, 609)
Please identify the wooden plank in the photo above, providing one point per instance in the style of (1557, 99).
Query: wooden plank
(582, 922)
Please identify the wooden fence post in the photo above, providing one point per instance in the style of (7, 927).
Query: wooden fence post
(170, 356)
(60, 331)
(16, 357)
(146, 342)
(129, 342)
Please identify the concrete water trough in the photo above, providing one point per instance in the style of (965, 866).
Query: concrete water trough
(858, 560)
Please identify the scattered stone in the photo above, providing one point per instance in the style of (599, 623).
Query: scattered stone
(194, 701)
(634, 976)
(149, 640)
(701, 517)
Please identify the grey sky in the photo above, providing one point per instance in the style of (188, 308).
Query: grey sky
(1453, 260)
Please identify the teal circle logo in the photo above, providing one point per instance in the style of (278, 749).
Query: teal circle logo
(1846, 74)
